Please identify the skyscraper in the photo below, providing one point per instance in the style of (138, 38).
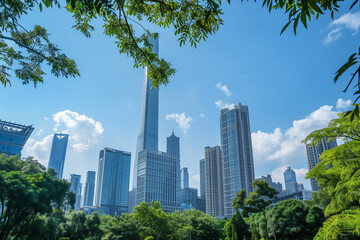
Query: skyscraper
(214, 182)
(289, 177)
(202, 178)
(157, 179)
(184, 178)
(13, 137)
(112, 184)
(313, 156)
(58, 153)
(89, 189)
(173, 149)
(268, 179)
(236, 146)
(148, 137)
(76, 188)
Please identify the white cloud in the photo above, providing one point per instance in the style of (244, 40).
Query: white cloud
(223, 88)
(285, 147)
(349, 21)
(202, 115)
(84, 132)
(220, 104)
(332, 36)
(342, 105)
(181, 118)
(40, 150)
(46, 118)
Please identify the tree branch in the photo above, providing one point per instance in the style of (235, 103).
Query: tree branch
(22, 45)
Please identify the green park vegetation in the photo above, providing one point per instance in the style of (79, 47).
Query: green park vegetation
(33, 203)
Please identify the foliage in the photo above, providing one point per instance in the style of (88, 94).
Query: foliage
(342, 180)
(236, 228)
(292, 219)
(123, 227)
(33, 46)
(79, 225)
(26, 191)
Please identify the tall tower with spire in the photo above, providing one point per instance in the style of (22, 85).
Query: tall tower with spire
(148, 137)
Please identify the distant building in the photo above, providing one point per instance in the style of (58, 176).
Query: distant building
(214, 182)
(197, 203)
(294, 187)
(184, 175)
(13, 137)
(89, 189)
(173, 149)
(313, 156)
(75, 187)
(187, 194)
(268, 179)
(237, 155)
(112, 183)
(300, 195)
(300, 187)
(289, 177)
(157, 179)
(58, 153)
(202, 178)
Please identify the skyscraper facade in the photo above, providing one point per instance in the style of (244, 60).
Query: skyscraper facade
(89, 189)
(76, 188)
(157, 179)
(214, 182)
(148, 137)
(202, 178)
(313, 156)
(237, 155)
(13, 137)
(58, 153)
(173, 149)
(112, 183)
(268, 179)
(184, 178)
(289, 177)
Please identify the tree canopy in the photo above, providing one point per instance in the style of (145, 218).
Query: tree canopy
(338, 175)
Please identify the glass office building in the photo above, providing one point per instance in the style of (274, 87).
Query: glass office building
(289, 177)
(89, 189)
(173, 149)
(202, 178)
(13, 137)
(148, 137)
(157, 179)
(76, 188)
(237, 155)
(112, 184)
(186, 195)
(313, 156)
(58, 153)
(184, 178)
(214, 182)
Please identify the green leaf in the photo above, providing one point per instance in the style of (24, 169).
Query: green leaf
(296, 23)
(315, 6)
(284, 28)
(351, 61)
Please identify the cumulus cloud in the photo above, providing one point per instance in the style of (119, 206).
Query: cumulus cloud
(40, 150)
(284, 146)
(84, 132)
(349, 21)
(221, 105)
(223, 88)
(181, 118)
(342, 105)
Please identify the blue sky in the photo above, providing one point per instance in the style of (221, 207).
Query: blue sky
(286, 81)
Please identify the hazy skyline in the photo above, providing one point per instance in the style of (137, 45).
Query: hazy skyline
(286, 82)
